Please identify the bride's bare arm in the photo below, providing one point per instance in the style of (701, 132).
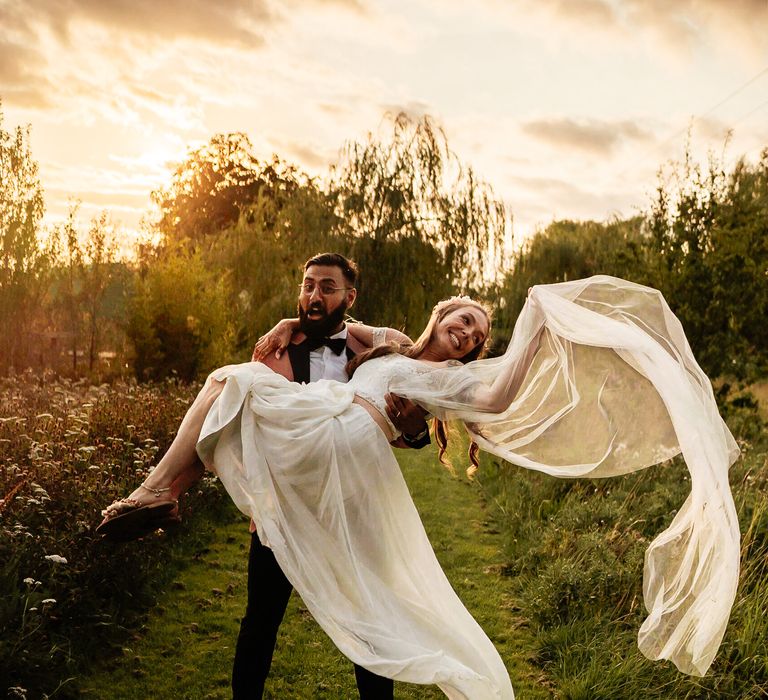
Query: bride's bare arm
(497, 397)
(275, 340)
(278, 338)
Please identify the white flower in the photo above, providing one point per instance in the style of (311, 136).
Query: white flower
(56, 559)
(49, 601)
(29, 581)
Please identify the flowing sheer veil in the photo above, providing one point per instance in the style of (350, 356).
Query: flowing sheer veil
(613, 389)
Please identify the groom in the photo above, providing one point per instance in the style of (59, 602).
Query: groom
(319, 350)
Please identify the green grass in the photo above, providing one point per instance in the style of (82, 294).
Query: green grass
(186, 647)
(576, 563)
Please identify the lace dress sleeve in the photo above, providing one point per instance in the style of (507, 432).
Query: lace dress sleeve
(379, 337)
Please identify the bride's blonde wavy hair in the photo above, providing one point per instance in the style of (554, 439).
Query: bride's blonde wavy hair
(439, 312)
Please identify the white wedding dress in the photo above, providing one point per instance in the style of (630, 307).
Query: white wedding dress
(614, 388)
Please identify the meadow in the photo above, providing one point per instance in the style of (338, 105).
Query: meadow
(66, 449)
(551, 568)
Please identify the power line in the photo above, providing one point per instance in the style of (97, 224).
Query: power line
(735, 92)
(750, 113)
(679, 133)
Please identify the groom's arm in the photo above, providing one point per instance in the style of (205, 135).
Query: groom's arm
(408, 417)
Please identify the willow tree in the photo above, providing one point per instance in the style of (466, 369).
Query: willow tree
(24, 259)
(264, 253)
(418, 221)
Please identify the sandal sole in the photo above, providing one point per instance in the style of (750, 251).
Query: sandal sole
(137, 523)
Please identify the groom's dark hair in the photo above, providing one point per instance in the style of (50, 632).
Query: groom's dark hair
(348, 267)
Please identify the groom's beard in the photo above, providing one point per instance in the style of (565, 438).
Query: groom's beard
(326, 324)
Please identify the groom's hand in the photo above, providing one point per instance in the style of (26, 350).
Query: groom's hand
(405, 415)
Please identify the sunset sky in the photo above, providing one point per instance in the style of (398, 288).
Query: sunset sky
(566, 107)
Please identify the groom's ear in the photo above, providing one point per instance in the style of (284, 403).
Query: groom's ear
(351, 296)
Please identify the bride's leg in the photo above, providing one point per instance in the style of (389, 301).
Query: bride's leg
(155, 503)
(180, 466)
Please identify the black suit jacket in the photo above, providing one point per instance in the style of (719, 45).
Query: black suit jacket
(298, 354)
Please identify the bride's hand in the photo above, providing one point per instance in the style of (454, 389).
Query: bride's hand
(275, 340)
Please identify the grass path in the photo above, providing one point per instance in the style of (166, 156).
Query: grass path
(185, 649)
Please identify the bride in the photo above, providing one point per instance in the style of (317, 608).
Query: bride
(597, 380)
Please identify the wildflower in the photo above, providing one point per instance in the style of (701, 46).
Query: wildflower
(29, 581)
(49, 601)
(56, 559)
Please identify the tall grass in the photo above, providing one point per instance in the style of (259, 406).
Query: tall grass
(66, 450)
(575, 551)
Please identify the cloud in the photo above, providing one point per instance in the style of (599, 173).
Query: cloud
(539, 200)
(678, 25)
(310, 156)
(53, 50)
(356, 6)
(712, 129)
(415, 109)
(87, 57)
(593, 136)
(593, 12)
(19, 63)
(697, 21)
(236, 22)
(679, 29)
(22, 79)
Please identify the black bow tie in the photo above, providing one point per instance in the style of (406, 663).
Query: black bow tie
(335, 344)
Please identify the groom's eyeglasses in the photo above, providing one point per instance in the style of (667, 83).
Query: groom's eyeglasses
(326, 290)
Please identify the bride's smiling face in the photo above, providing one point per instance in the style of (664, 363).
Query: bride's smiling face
(459, 332)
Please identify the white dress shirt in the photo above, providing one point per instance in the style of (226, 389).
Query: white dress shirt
(324, 363)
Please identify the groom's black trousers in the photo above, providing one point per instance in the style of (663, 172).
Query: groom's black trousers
(268, 594)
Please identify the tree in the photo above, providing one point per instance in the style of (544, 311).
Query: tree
(709, 229)
(212, 188)
(264, 253)
(98, 273)
(24, 259)
(179, 316)
(69, 293)
(568, 250)
(420, 224)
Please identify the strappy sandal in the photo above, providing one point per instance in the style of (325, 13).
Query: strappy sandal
(129, 519)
